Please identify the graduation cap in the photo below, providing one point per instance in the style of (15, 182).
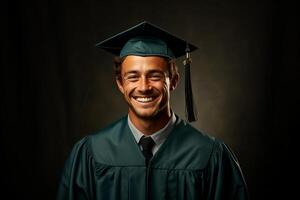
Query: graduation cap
(146, 39)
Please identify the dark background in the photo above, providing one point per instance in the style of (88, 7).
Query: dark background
(56, 87)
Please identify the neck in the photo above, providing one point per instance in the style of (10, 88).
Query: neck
(148, 126)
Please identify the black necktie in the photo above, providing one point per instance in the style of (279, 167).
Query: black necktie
(147, 144)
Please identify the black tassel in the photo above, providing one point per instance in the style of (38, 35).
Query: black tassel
(189, 101)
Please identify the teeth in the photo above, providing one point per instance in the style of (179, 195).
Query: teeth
(144, 99)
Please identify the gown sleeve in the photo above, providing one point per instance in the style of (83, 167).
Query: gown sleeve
(224, 177)
(75, 177)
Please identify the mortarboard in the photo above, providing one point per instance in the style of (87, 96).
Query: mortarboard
(146, 39)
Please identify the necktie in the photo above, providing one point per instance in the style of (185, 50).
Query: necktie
(147, 144)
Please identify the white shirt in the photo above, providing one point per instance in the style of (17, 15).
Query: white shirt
(158, 137)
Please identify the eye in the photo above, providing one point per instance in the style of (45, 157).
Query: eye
(132, 78)
(156, 77)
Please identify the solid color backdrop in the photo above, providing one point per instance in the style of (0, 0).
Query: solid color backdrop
(57, 87)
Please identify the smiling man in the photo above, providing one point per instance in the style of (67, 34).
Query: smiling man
(146, 83)
(151, 153)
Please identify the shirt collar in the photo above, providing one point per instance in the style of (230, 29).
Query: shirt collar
(159, 136)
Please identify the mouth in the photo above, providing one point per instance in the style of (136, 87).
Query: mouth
(145, 99)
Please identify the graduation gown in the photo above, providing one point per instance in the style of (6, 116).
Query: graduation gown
(109, 165)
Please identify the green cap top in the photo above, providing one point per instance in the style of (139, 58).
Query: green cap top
(146, 46)
(145, 39)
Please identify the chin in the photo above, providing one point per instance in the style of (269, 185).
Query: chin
(149, 114)
(146, 114)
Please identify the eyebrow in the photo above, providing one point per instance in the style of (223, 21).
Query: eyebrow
(131, 72)
(148, 72)
(155, 71)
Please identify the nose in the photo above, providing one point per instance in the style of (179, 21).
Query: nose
(144, 85)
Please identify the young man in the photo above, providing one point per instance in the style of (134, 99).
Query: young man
(151, 153)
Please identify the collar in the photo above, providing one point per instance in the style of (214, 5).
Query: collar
(159, 136)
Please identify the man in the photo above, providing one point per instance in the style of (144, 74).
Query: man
(151, 153)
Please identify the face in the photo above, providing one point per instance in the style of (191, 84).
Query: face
(146, 86)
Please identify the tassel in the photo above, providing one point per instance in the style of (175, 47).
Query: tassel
(189, 101)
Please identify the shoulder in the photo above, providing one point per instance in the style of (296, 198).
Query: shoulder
(86, 145)
(194, 138)
(190, 147)
(214, 148)
(202, 146)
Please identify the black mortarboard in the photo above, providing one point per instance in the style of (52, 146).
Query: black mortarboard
(146, 39)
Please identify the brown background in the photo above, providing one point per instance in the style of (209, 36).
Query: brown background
(56, 87)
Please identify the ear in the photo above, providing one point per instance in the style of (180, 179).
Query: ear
(174, 82)
(120, 85)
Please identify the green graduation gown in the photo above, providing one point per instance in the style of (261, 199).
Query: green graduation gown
(109, 165)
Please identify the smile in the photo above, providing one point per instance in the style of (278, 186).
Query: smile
(144, 99)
